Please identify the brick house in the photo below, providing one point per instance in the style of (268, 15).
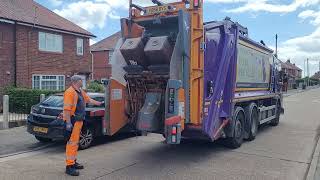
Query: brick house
(38, 48)
(316, 75)
(102, 52)
(294, 73)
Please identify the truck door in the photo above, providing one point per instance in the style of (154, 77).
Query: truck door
(115, 117)
(219, 76)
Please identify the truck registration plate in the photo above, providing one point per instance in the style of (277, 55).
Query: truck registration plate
(40, 129)
(157, 10)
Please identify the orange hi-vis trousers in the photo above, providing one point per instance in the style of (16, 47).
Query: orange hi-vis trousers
(73, 144)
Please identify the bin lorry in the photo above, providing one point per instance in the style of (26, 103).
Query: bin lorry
(175, 75)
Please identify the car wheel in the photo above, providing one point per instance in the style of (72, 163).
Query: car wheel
(42, 139)
(86, 138)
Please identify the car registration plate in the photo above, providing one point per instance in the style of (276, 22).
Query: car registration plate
(40, 129)
(157, 10)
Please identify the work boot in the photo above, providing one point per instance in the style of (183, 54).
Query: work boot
(70, 170)
(78, 166)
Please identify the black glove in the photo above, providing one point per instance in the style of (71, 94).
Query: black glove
(68, 127)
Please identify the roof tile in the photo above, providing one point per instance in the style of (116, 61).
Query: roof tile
(106, 44)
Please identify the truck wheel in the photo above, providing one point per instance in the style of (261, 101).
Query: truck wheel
(275, 122)
(252, 122)
(42, 139)
(86, 138)
(237, 139)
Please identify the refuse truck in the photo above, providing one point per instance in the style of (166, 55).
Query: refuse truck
(175, 75)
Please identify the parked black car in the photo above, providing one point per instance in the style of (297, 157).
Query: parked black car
(46, 124)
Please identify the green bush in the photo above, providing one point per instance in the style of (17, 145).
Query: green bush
(307, 79)
(22, 99)
(95, 87)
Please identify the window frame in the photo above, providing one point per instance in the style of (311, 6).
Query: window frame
(77, 48)
(54, 36)
(42, 79)
(110, 54)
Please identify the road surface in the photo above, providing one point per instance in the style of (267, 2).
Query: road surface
(278, 153)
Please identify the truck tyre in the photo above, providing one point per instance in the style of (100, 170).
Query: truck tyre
(252, 121)
(237, 139)
(42, 139)
(86, 138)
(275, 122)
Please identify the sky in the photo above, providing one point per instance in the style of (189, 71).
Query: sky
(297, 22)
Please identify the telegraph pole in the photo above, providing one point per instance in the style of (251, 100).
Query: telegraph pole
(308, 72)
(276, 45)
(304, 68)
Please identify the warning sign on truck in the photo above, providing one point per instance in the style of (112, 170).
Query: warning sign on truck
(116, 94)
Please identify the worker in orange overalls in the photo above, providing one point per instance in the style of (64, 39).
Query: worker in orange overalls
(75, 100)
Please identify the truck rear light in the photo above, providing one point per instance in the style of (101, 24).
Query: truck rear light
(171, 100)
(174, 130)
(196, 3)
(97, 113)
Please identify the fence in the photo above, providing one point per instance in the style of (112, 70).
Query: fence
(17, 109)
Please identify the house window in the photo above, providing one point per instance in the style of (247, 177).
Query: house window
(50, 42)
(110, 55)
(48, 82)
(79, 46)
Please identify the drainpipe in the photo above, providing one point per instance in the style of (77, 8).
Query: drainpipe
(15, 54)
(91, 65)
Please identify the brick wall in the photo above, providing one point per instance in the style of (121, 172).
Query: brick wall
(30, 60)
(101, 66)
(6, 57)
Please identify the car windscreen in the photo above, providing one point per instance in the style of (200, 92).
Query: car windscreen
(53, 101)
(57, 101)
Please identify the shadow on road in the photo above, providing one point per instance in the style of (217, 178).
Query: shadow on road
(103, 140)
(189, 151)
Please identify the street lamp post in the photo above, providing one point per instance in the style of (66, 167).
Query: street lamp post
(308, 72)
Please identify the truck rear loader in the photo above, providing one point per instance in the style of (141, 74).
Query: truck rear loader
(175, 75)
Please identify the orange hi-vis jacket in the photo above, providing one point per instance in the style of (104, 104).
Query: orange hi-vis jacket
(71, 100)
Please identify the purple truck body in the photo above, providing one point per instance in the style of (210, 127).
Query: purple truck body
(220, 67)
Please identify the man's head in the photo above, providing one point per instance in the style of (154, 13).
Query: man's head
(76, 81)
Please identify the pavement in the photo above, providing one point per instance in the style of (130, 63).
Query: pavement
(285, 152)
(299, 90)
